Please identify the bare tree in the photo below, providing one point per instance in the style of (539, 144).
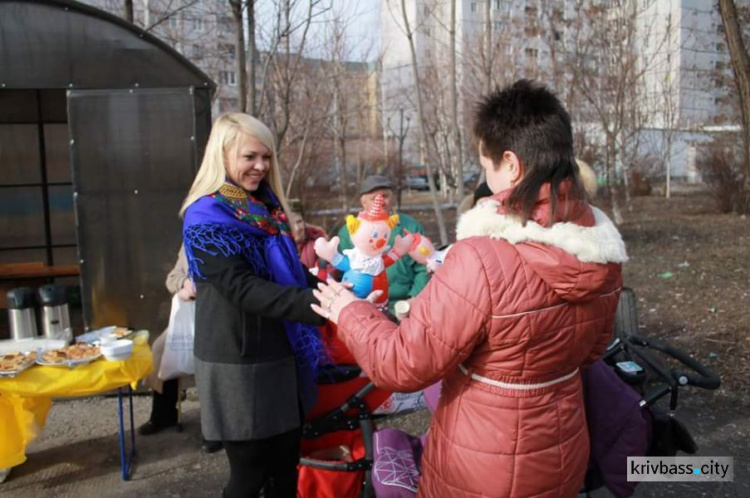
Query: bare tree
(670, 112)
(423, 133)
(251, 55)
(607, 73)
(128, 8)
(287, 40)
(487, 46)
(237, 10)
(741, 66)
(340, 121)
(454, 106)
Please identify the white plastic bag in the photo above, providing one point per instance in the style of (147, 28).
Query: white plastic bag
(178, 348)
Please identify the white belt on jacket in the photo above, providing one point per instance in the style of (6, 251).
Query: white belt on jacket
(518, 387)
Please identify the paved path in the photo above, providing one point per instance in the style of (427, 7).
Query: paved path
(78, 454)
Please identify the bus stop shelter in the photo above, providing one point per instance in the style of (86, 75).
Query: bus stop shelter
(102, 128)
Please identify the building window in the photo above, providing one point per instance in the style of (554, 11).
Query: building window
(174, 21)
(228, 49)
(530, 11)
(531, 53)
(498, 26)
(198, 24)
(473, 6)
(227, 78)
(720, 47)
(497, 4)
(225, 23)
(427, 31)
(197, 51)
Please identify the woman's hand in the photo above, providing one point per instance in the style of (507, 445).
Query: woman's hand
(187, 293)
(334, 297)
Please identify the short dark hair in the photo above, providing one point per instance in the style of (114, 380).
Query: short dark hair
(530, 121)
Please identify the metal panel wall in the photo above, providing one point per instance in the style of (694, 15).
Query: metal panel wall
(134, 158)
(64, 44)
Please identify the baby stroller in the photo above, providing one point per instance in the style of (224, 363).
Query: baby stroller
(338, 449)
(342, 445)
(634, 374)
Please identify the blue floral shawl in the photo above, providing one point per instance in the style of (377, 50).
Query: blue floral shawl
(230, 226)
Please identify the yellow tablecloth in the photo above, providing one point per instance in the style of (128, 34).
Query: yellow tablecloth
(26, 399)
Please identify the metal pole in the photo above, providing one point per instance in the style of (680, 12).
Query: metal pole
(45, 187)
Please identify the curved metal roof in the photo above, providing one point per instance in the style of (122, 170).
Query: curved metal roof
(66, 44)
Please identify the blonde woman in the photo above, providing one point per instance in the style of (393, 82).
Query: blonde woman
(256, 344)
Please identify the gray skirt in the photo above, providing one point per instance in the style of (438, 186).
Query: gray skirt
(241, 402)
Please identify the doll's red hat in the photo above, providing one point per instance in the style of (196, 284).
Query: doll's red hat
(376, 211)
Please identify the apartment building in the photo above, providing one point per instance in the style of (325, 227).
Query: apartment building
(688, 90)
(678, 44)
(202, 31)
(526, 40)
(688, 71)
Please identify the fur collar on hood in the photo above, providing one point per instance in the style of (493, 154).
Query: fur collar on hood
(600, 243)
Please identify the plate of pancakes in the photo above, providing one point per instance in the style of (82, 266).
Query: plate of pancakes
(69, 356)
(15, 362)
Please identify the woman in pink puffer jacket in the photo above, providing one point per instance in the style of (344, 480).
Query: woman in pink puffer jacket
(525, 299)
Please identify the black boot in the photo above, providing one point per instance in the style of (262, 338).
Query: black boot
(163, 409)
(211, 446)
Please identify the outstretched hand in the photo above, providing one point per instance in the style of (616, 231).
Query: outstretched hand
(326, 249)
(402, 245)
(334, 297)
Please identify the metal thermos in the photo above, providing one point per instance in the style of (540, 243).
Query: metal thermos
(21, 313)
(55, 315)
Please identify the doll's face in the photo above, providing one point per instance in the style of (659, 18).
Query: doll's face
(371, 237)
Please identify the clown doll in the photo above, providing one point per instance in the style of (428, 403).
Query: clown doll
(364, 265)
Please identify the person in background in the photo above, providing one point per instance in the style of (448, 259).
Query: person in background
(588, 178)
(257, 346)
(305, 235)
(524, 301)
(482, 191)
(406, 278)
(164, 393)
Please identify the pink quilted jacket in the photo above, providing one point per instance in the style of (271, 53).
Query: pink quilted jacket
(508, 322)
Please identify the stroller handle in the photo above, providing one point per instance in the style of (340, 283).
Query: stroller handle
(704, 379)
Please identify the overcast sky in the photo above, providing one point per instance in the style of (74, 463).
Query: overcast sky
(363, 25)
(366, 22)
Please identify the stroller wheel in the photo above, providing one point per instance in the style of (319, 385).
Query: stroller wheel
(626, 319)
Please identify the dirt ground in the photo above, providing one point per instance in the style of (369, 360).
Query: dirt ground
(690, 269)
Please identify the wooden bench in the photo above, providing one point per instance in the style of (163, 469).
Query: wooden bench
(21, 271)
(32, 274)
